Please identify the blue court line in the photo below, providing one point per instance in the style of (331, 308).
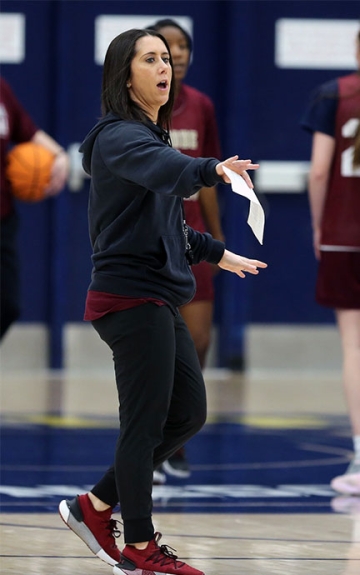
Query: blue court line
(343, 458)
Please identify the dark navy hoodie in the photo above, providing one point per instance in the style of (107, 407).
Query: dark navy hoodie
(135, 211)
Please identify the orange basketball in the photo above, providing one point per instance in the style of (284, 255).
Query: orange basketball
(28, 171)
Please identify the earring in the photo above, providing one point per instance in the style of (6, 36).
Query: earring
(128, 85)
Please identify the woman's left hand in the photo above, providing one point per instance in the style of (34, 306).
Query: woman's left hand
(238, 166)
(239, 264)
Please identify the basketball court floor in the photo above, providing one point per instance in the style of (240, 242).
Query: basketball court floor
(258, 500)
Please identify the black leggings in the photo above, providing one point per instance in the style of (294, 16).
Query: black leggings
(162, 404)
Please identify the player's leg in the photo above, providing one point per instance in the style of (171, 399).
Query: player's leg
(198, 316)
(338, 287)
(349, 326)
(9, 277)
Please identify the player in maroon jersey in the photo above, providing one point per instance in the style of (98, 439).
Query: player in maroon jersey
(194, 132)
(16, 127)
(333, 117)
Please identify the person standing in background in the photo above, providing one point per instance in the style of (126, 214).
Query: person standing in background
(333, 118)
(194, 132)
(16, 127)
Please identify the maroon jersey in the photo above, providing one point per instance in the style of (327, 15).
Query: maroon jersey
(16, 126)
(194, 132)
(341, 219)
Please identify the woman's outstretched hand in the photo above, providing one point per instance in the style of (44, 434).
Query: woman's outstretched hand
(239, 264)
(238, 166)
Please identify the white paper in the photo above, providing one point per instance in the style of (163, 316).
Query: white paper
(256, 218)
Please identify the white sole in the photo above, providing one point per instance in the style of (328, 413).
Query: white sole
(84, 533)
(175, 472)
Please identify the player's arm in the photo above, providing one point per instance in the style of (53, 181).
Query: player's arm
(208, 198)
(61, 166)
(323, 147)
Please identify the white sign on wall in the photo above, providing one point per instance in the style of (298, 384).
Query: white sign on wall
(12, 34)
(107, 27)
(316, 44)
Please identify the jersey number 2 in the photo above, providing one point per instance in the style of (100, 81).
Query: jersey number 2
(347, 168)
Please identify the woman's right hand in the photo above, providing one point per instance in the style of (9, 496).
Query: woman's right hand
(238, 166)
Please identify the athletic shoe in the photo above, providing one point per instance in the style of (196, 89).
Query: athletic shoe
(159, 477)
(346, 504)
(177, 465)
(153, 560)
(349, 483)
(95, 528)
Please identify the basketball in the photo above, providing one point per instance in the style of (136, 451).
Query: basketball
(28, 170)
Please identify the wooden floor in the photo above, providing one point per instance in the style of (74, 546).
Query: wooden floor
(288, 543)
(218, 544)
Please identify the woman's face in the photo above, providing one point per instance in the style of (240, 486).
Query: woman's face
(150, 75)
(179, 50)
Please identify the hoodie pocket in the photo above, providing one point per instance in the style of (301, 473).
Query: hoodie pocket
(171, 261)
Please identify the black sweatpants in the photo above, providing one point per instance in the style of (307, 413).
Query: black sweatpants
(9, 273)
(162, 404)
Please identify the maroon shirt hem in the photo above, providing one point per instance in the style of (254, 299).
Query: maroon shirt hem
(100, 303)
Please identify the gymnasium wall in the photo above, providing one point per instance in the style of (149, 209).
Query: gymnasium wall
(259, 94)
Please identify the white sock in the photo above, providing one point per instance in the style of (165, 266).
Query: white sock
(356, 440)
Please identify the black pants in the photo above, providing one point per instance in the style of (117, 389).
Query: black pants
(9, 274)
(162, 404)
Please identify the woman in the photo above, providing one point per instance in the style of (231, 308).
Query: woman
(332, 118)
(194, 132)
(141, 275)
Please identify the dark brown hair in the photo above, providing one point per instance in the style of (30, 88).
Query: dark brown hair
(116, 73)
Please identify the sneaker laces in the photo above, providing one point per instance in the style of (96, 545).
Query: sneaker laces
(164, 554)
(114, 532)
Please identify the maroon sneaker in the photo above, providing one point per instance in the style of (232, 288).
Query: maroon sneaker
(95, 528)
(153, 560)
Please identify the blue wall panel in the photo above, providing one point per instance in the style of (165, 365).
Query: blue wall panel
(32, 83)
(258, 108)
